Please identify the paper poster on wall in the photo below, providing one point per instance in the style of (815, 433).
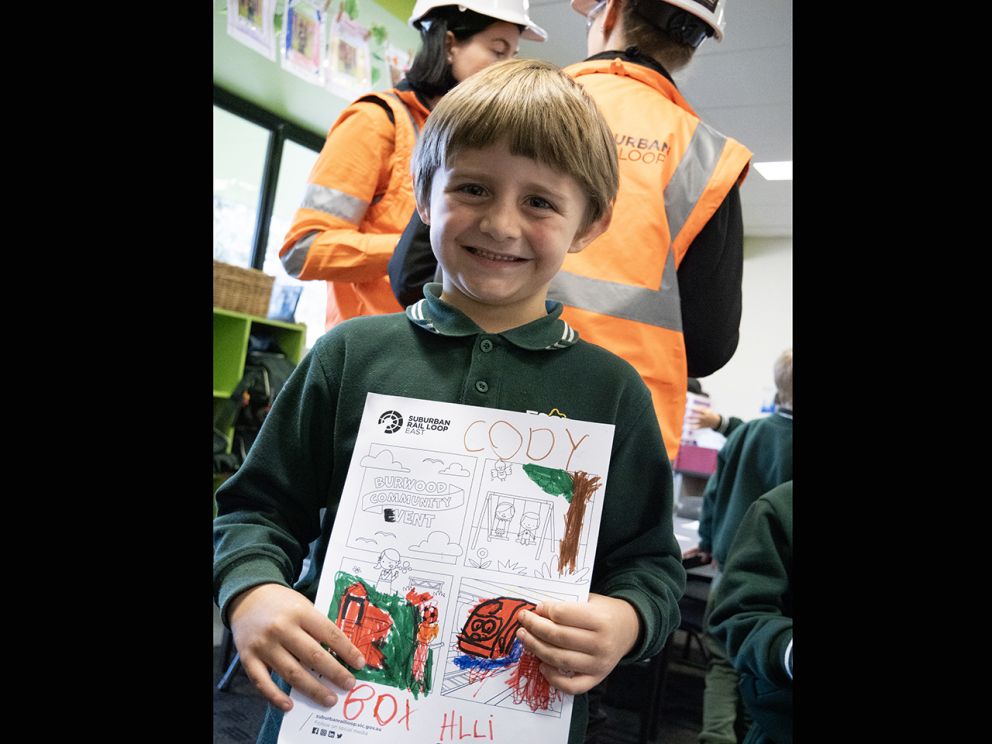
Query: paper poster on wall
(453, 520)
(349, 60)
(398, 61)
(303, 44)
(252, 22)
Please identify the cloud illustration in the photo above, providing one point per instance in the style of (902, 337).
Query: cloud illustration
(431, 459)
(437, 543)
(384, 460)
(456, 469)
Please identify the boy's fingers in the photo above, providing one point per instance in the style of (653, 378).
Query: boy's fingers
(552, 655)
(290, 669)
(571, 614)
(314, 656)
(553, 634)
(259, 675)
(569, 682)
(330, 634)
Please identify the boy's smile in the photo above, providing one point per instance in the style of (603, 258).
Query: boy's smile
(501, 225)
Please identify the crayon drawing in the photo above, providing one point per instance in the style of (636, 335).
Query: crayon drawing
(577, 489)
(486, 663)
(393, 633)
(531, 521)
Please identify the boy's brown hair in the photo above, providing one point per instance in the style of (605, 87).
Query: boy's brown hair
(539, 112)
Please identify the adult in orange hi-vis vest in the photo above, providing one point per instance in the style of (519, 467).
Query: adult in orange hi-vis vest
(678, 204)
(662, 286)
(359, 195)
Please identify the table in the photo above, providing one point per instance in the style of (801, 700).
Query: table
(687, 533)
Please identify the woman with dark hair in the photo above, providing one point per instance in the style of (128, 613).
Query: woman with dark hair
(359, 195)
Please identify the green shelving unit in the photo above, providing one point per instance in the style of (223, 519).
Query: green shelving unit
(231, 332)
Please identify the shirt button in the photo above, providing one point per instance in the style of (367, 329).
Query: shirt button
(486, 345)
(482, 386)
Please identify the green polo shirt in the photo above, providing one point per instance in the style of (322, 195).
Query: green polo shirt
(269, 511)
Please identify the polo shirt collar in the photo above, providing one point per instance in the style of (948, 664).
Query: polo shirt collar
(437, 316)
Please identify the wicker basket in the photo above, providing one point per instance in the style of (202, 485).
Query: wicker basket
(242, 290)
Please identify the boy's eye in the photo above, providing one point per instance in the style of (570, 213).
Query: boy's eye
(538, 203)
(472, 189)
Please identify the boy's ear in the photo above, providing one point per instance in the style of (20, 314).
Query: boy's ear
(593, 231)
(425, 212)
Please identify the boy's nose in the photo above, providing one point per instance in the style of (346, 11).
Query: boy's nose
(500, 222)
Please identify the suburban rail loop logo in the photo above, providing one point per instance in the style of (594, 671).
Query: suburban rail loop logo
(393, 421)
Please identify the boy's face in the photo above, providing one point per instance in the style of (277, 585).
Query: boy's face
(501, 226)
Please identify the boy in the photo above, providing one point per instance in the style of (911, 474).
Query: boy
(515, 169)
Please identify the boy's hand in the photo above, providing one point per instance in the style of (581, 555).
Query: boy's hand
(276, 628)
(579, 642)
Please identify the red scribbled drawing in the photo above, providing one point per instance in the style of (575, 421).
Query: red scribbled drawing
(427, 630)
(364, 624)
(530, 686)
(491, 627)
(491, 646)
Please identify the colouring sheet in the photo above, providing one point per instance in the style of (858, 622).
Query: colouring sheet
(453, 520)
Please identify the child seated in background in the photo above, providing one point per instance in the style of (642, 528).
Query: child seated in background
(515, 168)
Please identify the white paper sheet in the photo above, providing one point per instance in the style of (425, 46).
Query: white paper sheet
(442, 536)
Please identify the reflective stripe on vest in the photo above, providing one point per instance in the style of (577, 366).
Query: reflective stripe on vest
(333, 202)
(694, 171)
(295, 257)
(661, 307)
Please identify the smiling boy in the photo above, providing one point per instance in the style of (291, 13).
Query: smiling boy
(515, 169)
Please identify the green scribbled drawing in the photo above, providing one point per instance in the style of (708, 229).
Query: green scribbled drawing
(400, 645)
(555, 481)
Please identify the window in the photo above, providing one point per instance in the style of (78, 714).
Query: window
(261, 164)
(239, 164)
(297, 161)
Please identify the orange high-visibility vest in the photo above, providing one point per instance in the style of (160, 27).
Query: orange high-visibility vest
(359, 198)
(622, 291)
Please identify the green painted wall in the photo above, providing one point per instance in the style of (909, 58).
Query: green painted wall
(248, 74)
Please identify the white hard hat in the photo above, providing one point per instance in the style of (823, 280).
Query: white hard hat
(708, 11)
(512, 11)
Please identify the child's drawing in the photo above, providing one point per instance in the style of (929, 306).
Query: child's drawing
(486, 662)
(577, 488)
(446, 531)
(535, 519)
(396, 634)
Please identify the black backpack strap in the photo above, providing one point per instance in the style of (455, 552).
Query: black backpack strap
(379, 102)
